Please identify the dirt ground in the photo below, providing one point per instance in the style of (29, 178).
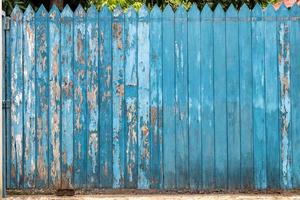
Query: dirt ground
(164, 197)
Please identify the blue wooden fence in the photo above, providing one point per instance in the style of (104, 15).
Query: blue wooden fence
(154, 100)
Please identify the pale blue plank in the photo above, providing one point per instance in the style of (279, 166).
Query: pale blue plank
(233, 100)
(67, 85)
(194, 120)
(17, 100)
(258, 67)
(131, 98)
(207, 99)
(29, 97)
(105, 83)
(92, 90)
(54, 98)
(144, 139)
(246, 118)
(271, 78)
(283, 53)
(80, 105)
(156, 96)
(220, 98)
(42, 98)
(118, 97)
(295, 94)
(168, 99)
(181, 98)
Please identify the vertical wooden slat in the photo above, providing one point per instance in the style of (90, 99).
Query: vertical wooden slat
(233, 100)
(29, 97)
(16, 53)
(181, 98)
(246, 118)
(67, 108)
(131, 87)
(80, 111)
(207, 99)
(144, 139)
(118, 96)
(220, 98)
(295, 94)
(194, 117)
(105, 84)
(258, 67)
(55, 98)
(284, 65)
(92, 97)
(156, 96)
(42, 97)
(168, 99)
(271, 76)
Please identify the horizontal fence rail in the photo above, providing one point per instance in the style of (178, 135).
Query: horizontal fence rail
(154, 99)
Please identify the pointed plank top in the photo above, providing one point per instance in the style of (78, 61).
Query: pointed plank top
(257, 11)
(16, 14)
(29, 13)
(155, 12)
(283, 11)
(118, 11)
(168, 11)
(219, 11)
(206, 11)
(131, 13)
(180, 12)
(42, 12)
(194, 12)
(92, 12)
(67, 12)
(105, 12)
(79, 12)
(231, 11)
(143, 12)
(244, 11)
(295, 10)
(54, 13)
(270, 11)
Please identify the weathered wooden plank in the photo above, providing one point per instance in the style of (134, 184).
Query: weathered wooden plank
(271, 77)
(181, 98)
(131, 96)
(156, 97)
(42, 97)
(118, 97)
(67, 108)
(295, 94)
(258, 67)
(144, 139)
(168, 99)
(29, 97)
(105, 83)
(284, 65)
(220, 98)
(194, 118)
(54, 98)
(16, 54)
(207, 98)
(233, 101)
(92, 97)
(246, 118)
(80, 104)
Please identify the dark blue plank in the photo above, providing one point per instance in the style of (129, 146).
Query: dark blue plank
(156, 96)
(207, 99)
(67, 85)
(259, 141)
(246, 118)
(16, 54)
(283, 53)
(194, 98)
(220, 98)
(295, 94)
(144, 139)
(42, 98)
(168, 99)
(131, 98)
(181, 98)
(233, 101)
(271, 77)
(29, 97)
(80, 123)
(54, 98)
(105, 84)
(118, 97)
(92, 90)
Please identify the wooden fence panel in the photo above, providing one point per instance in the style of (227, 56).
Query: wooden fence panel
(168, 100)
